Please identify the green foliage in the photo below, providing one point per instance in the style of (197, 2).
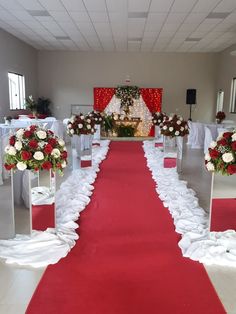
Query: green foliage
(125, 131)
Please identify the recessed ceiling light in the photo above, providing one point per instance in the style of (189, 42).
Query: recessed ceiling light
(134, 39)
(233, 53)
(217, 15)
(134, 15)
(62, 37)
(192, 39)
(39, 13)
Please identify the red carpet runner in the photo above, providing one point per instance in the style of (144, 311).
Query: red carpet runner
(127, 260)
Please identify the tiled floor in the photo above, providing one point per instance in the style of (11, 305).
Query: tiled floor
(17, 284)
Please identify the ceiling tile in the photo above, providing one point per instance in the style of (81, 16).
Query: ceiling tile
(161, 5)
(52, 5)
(225, 6)
(79, 16)
(11, 5)
(98, 17)
(30, 4)
(74, 5)
(203, 6)
(117, 6)
(183, 5)
(138, 5)
(61, 16)
(95, 5)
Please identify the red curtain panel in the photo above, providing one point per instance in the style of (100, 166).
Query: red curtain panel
(102, 97)
(152, 98)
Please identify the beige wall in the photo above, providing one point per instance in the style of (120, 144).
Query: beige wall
(18, 57)
(69, 77)
(226, 72)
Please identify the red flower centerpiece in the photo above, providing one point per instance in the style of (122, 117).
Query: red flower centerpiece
(35, 148)
(174, 126)
(96, 116)
(80, 124)
(158, 118)
(220, 116)
(221, 156)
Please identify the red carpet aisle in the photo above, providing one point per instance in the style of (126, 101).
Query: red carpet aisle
(127, 260)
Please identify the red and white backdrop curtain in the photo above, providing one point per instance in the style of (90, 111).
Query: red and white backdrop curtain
(150, 101)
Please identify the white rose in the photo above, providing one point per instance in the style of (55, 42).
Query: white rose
(170, 118)
(182, 129)
(178, 122)
(159, 121)
(72, 131)
(63, 164)
(41, 134)
(19, 133)
(88, 126)
(213, 144)
(69, 126)
(72, 119)
(80, 125)
(176, 133)
(61, 142)
(21, 166)
(227, 157)
(171, 128)
(186, 127)
(233, 137)
(220, 136)
(210, 166)
(41, 144)
(56, 153)
(88, 120)
(155, 121)
(164, 127)
(11, 151)
(7, 148)
(38, 155)
(82, 117)
(100, 119)
(181, 118)
(18, 145)
(96, 119)
(207, 157)
(92, 130)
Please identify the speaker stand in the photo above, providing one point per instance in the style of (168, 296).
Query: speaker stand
(190, 112)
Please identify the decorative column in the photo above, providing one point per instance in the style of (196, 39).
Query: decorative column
(170, 151)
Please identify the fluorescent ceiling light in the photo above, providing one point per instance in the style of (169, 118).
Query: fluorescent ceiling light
(134, 39)
(217, 15)
(62, 37)
(233, 53)
(192, 39)
(38, 13)
(135, 15)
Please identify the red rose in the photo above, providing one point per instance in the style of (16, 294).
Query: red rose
(50, 132)
(33, 128)
(36, 168)
(64, 154)
(231, 169)
(33, 144)
(48, 149)
(233, 145)
(47, 165)
(214, 153)
(52, 141)
(227, 135)
(58, 165)
(27, 134)
(25, 155)
(222, 142)
(12, 140)
(9, 167)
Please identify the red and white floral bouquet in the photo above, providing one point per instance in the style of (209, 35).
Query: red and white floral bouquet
(80, 124)
(174, 126)
(35, 148)
(221, 156)
(220, 116)
(96, 116)
(158, 118)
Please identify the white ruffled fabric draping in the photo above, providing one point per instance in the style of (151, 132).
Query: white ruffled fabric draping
(191, 221)
(48, 247)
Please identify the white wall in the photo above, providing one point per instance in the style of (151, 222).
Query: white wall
(18, 57)
(226, 72)
(69, 77)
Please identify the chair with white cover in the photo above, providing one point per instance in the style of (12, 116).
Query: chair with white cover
(208, 139)
(58, 128)
(198, 135)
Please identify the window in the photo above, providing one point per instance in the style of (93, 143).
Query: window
(220, 101)
(233, 96)
(16, 91)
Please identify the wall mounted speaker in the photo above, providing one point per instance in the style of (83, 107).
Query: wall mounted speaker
(191, 97)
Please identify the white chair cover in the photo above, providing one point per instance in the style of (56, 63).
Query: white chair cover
(198, 135)
(58, 128)
(208, 139)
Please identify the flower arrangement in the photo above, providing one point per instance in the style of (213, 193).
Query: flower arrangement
(174, 126)
(158, 118)
(221, 156)
(80, 124)
(126, 94)
(35, 148)
(220, 116)
(96, 116)
(31, 104)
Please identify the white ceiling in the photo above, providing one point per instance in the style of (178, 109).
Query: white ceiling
(122, 25)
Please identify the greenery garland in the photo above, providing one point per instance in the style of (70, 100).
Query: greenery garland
(126, 94)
